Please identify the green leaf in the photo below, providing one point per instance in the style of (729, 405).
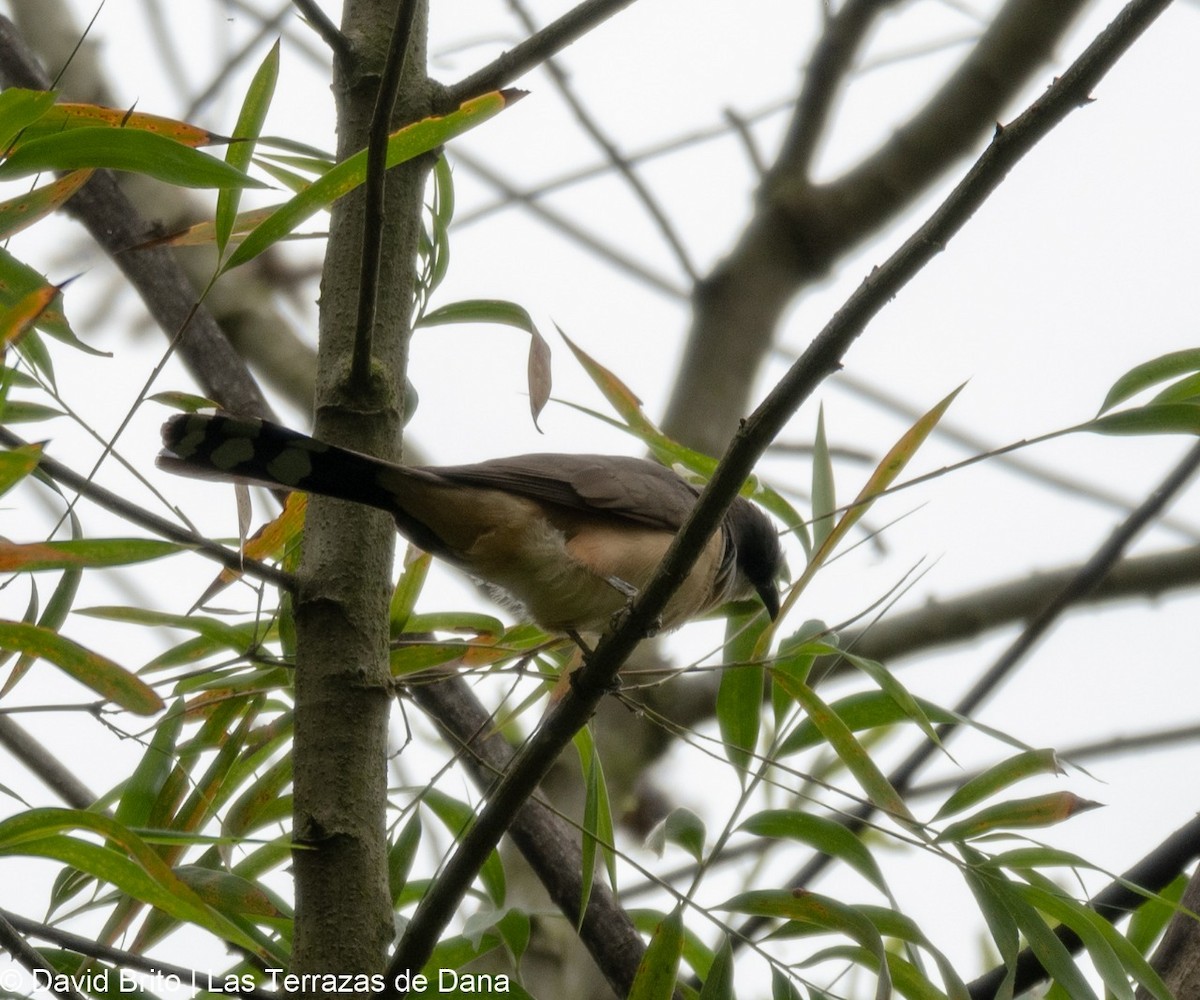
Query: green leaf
(458, 817)
(142, 790)
(23, 210)
(136, 869)
(657, 972)
(16, 464)
(1154, 418)
(1036, 811)
(124, 149)
(821, 912)
(681, 827)
(246, 132)
(1151, 373)
(718, 984)
(113, 682)
(401, 856)
(824, 495)
(851, 753)
(20, 108)
(824, 835)
(404, 144)
(1000, 776)
(740, 694)
(89, 553)
(507, 314)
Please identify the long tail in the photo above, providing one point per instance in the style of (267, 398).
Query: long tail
(244, 449)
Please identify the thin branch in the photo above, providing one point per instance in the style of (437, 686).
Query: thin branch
(28, 956)
(44, 764)
(535, 50)
(588, 123)
(374, 218)
(134, 514)
(560, 223)
(128, 959)
(266, 27)
(831, 60)
(316, 18)
(549, 844)
(591, 682)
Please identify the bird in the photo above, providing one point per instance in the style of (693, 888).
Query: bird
(568, 540)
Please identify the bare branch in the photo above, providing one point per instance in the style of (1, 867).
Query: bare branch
(535, 50)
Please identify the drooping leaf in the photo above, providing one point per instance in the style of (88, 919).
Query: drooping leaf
(508, 314)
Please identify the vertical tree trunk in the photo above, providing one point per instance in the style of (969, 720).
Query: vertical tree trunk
(343, 909)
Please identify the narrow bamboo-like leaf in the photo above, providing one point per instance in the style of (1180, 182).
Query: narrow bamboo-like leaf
(509, 314)
(124, 149)
(405, 144)
(16, 411)
(23, 210)
(1000, 776)
(1150, 373)
(1114, 956)
(1044, 943)
(401, 856)
(69, 116)
(1151, 918)
(142, 790)
(1185, 390)
(819, 911)
(1036, 811)
(19, 109)
(989, 895)
(681, 827)
(246, 132)
(102, 675)
(851, 753)
(897, 691)
(408, 589)
(142, 874)
(825, 835)
(1154, 418)
(718, 981)
(585, 746)
(824, 495)
(864, 710)
(226, 892)
(740, 693)
(18, 279)
(659, 967)
(88, 553)
(16, 464)
(458, 818)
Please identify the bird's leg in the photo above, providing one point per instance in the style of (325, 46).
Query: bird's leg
(630, 593)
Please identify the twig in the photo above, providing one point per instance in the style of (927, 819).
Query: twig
(535, 50)
(320, 23)
(374, 194)
(28, 956)
(588, 123)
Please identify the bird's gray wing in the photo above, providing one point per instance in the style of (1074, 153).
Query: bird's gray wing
(633, 488)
